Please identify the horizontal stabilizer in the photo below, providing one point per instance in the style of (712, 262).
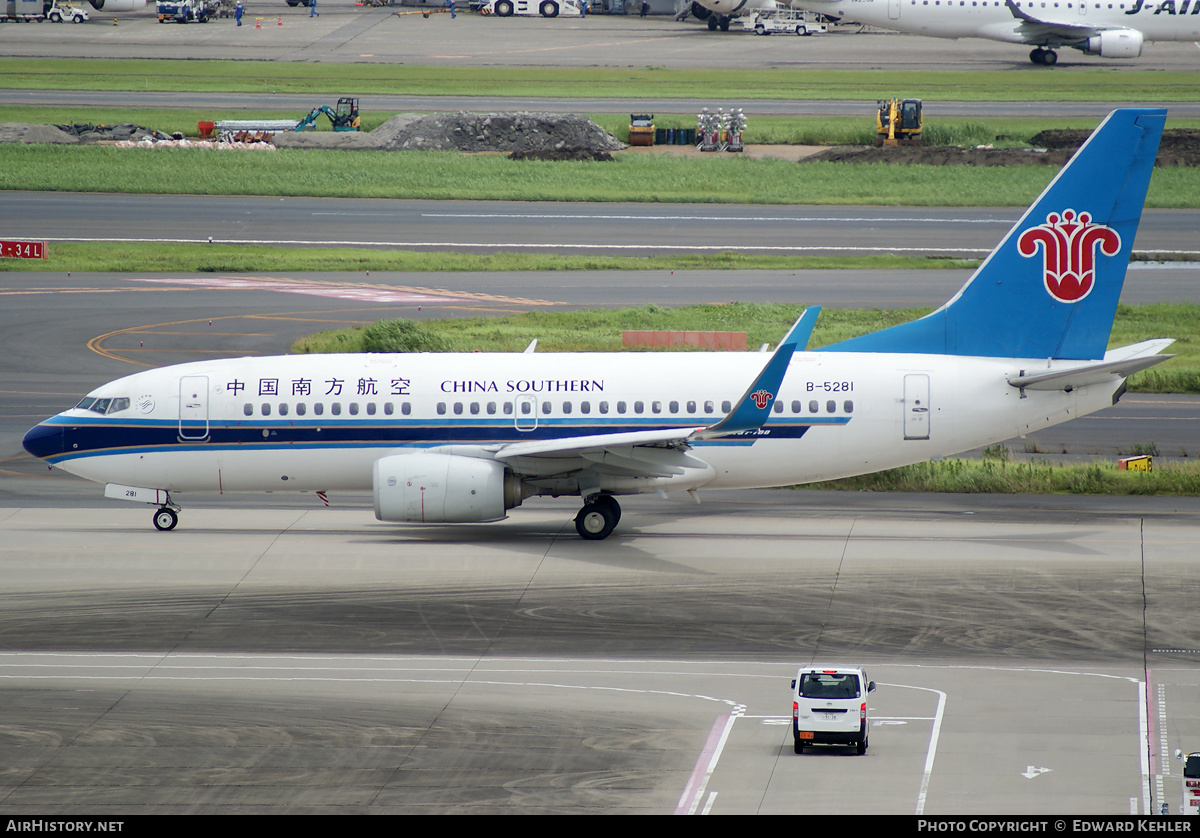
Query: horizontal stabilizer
(1121, 362)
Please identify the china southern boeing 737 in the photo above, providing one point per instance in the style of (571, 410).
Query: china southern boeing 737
(457, 438)
(1109, 28)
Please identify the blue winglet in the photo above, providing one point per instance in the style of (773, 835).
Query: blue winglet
(753, 409)
(1050, 288)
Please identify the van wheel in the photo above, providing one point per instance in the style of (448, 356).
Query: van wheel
(798, 746)
(862, 745)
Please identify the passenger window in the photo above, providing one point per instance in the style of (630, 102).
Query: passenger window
(848, 406)
(656, 407)
(777, 406)
(458, 408)
(709, 407)
(566, 407)
(370, 408)
(546, 408)
(389, 408)
(526, 408)
(813, 407)
(406, 408)
(353, 408)
(474, 408)
(831, 406)
(319, 408)
(441, 408)
(266, 408)
(508, 408)
(283, 409)
(620, 407)
(726, 406)
(491, 408)
(301, 409)
(691, 407)
(248, 409)
(796, 406)
(585, 407)
(638, 407)
(673, 407)
(604, 407)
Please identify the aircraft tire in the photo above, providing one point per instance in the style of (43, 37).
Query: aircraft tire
(712, 23)
(165, 519)
(1036, 55)
(1050, 58)
(595, 522)
(613, 506)
(724, 24)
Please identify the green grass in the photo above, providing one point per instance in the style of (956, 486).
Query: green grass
(325, 82)
(453, 176)
(599, 330)
(225, 258)
(998, 475)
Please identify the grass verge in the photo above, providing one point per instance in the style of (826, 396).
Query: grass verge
(257, 259)
(454, 176)
(1092, 84)
(599, 330)
(998, 475)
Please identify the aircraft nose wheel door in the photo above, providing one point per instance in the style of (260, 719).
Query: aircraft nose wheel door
(916, 406)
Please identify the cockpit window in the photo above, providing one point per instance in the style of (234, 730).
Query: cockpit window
(103, 406)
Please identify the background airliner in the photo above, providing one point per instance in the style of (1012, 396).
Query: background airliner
(1097, 27)
(458, 438)
(118, 5)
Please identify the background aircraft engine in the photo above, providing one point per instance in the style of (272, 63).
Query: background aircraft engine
(118, 5)
(442, 489)
(1115, 43)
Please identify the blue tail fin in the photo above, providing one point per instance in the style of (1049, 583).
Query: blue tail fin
(1050, 289)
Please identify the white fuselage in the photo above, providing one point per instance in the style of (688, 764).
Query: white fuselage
(1161, 20)
(319, 422)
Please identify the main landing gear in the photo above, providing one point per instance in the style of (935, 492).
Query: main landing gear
(1046, 57)
(598, 518)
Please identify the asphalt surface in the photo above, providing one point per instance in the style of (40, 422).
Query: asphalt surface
(1034, 655)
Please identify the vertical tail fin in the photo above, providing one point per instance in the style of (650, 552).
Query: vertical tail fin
(1050, 288)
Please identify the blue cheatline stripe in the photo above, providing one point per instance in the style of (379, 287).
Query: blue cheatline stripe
(95, 438)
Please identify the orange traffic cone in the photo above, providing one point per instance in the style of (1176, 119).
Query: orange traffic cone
(280, 23)
(258, 23)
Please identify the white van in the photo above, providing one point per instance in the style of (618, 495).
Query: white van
(829, 707)
(1191, 782)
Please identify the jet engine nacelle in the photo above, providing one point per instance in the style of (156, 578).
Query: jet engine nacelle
(118, 5)
(442, 489)
(1115, 43)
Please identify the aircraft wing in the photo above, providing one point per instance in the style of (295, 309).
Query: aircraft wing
(1035, 30)
(1116, 362)
(659, 452)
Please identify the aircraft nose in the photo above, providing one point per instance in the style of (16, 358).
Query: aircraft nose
(44, 441)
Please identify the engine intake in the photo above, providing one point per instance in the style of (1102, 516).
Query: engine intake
(1115, 43)
(443, 489)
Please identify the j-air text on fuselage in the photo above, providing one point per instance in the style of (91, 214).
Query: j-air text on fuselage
(1095, 27)
(458, 438)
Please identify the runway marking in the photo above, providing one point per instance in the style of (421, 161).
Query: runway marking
(363, 292)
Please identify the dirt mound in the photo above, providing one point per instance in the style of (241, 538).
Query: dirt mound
(85, 132)
(522, 131)
(941, 156)
(22, 132)
(1179, 146)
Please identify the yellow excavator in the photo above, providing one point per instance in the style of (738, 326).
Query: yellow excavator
(898, 123)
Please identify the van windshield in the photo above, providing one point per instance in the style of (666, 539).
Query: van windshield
(1191, 766)
(827, 685)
